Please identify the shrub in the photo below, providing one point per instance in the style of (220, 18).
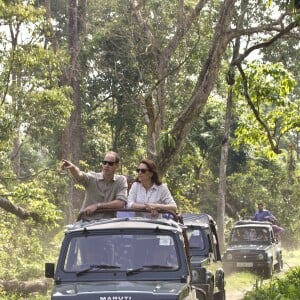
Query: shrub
(286, 288)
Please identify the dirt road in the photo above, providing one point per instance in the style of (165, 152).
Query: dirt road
(236, 295)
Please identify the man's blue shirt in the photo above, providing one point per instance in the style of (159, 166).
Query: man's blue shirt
(263, 215)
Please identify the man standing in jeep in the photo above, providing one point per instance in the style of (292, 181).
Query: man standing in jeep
(102, 190)
(265, 215)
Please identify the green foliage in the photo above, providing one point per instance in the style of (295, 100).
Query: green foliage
(32, 97)
(22, 253)
(16, 296)
(270, 109)
(123, 74)
(20, 12)
(118, 72)
(190, 181)
(38, 101)
(34, 105)
(259, 182)
(165, 139)
(286, 288)
(270, 181)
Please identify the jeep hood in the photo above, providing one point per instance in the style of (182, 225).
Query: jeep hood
(197, 260)
(122, 290)
(248, 247)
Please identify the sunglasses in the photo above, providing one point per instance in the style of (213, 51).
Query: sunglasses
(142, 170)
(105, 162)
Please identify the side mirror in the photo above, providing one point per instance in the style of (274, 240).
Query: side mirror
(49, 270)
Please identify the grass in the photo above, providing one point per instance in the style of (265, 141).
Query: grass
(240, 281)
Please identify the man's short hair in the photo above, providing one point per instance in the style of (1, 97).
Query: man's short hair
(116, 155)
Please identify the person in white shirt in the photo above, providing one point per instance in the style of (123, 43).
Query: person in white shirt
(148, 192)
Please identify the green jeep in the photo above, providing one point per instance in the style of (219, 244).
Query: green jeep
(205, 257)
(125, 258)
(252, 245)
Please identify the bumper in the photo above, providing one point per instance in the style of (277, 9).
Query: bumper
(242, 265)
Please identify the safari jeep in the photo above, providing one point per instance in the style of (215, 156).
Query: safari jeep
(126, 258)
(252, 245)
(205, 257)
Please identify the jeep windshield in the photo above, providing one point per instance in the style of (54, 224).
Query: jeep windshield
(196, 238)
(249, 235)
(98, 252)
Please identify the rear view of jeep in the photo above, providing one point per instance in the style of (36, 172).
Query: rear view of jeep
(205, 257)
(126, 258)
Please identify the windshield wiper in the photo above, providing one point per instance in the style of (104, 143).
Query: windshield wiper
(91, 267)
(158, 267)
(134, 271)
(147, 267)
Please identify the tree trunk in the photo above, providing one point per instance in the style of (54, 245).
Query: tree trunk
(222, 173)
(206, 79)
(72, 135)
(222, 190)
(15, 156)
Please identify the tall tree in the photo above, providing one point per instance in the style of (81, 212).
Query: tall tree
(32, 100)
(222, 190)
(163, 49)
(71, 140)
(170, 59)
(31, 97)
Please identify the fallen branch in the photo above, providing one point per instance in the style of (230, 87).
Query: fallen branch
(19, 211)
(40, 286)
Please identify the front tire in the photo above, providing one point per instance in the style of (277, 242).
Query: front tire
(268, 271)
(279, 265)
(220, 295)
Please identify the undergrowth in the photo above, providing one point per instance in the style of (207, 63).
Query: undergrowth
(278, 288)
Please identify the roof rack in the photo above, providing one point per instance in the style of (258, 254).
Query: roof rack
(249, 221)
(171, 214)
(197, 218)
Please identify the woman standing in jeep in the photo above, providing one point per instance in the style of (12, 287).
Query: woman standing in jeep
(148, 192)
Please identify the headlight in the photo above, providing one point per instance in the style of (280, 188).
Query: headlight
(229, 256)
(199, 275)
(195, 275)
(260, 256)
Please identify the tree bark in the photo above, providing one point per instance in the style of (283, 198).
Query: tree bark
(222, 189)
(202, 89)
(222, 172)
(15, 156)
(155, 117)
(72, 135)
